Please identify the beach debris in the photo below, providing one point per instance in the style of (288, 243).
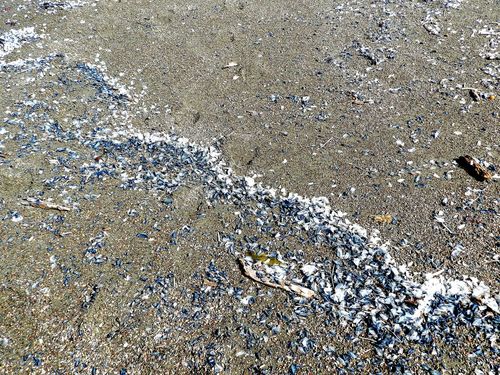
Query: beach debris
(10, 23)
(457, 250)
(232, 64)
(264, 258)
(51, 4)
(322, 145)
(291, 287)
(472, 167)
(309, 269)
(430, 24)
(15, 216)
(383, 219)
(439, 218)
(474, 95)
(373, 57)
(253, 113)
(54, 5)
(38, 203)
(92, 252)
(209, 283)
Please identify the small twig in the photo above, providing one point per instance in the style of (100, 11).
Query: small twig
(34, 202)
(288, 286)
(232, 64)
(324, 144)
(448, 229)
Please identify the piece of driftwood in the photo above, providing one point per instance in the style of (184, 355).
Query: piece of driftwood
(473, 168)
(34, 202)
(383, 219)
(249, 272)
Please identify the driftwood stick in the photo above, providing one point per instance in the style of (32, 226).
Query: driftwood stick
(285, 285)
(34, 202)
(473, 168)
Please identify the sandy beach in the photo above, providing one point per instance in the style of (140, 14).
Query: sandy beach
(249, 187)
